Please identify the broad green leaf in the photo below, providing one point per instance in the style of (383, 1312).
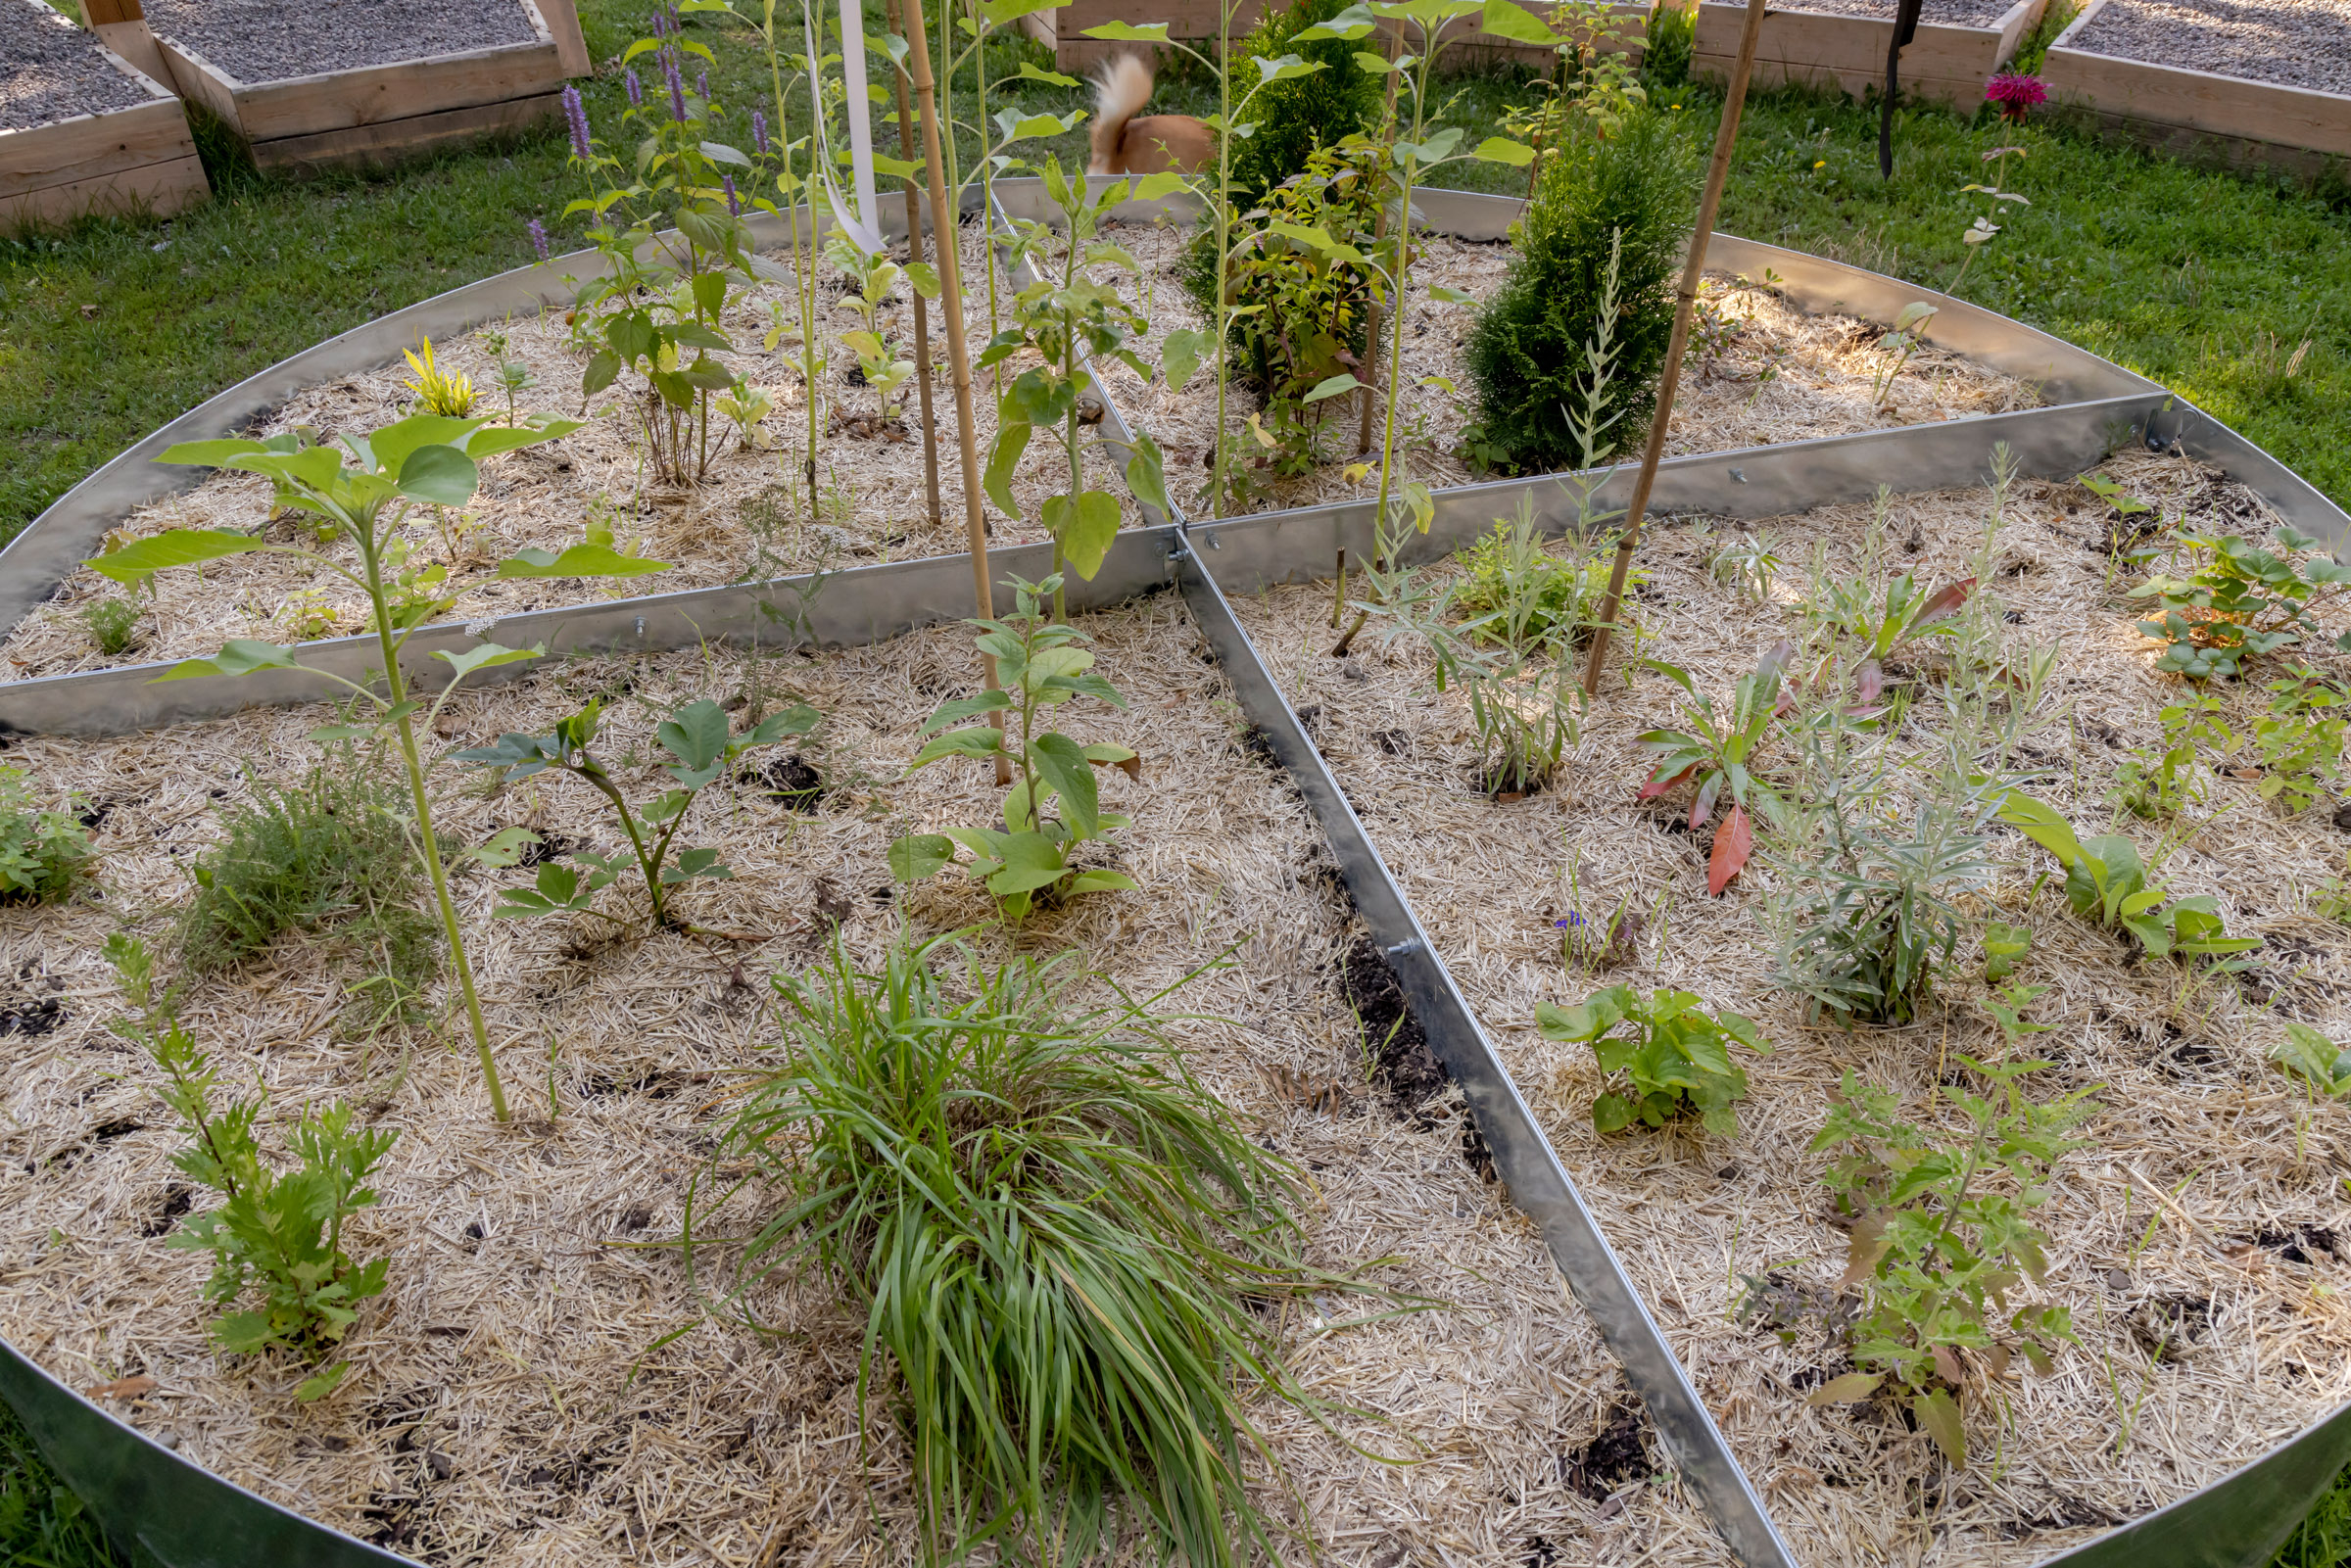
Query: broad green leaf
(920, 855)
(1099, 881)
(442, 475)
(1504, 20)
(925, 279)
(1032, 860)
(504, 848)
(175, 547)
(1938, 1417)
(1028, 72)
(1846, 1390)
(1062, 764)
(1004, 456)
(1147, 475)
(2043, 826)
(1337, 386)
(578, 560)
(390, 447)
(696, 863)
(721, 153)
(312, 1388)
(797, 720)
(1086, 531)
(1503, 150)
(1158, 187)
(1181, 353)
(697, 736)
(485, 657)
(491, 440)
(981, 741)
(1356, 22)
(1612, 1112)
(238, 656)
(1129, 33)
(208, 453)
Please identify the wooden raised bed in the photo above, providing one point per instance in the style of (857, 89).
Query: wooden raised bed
(1063, 30)
(376, 115)
(118, 161)
(1945, 63)
(2190, 111)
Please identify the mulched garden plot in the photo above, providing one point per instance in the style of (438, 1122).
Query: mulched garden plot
(268, 41)
(491, 1415)
(2229, 1313)
(1933, 13)
(2296, 43)
(1781, 376)
(749, 518)
(50, 69)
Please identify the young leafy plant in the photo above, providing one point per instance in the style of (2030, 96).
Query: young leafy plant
(1524, 595)
(281, 1233)
(2162, 786)
(1941, 1237)
(1714, 755)
(1063, 1244)
(2322, 1065)
(1910, 332)
(448, 394)
(2006, 946)
(42, 853)
(362, 496)
(2242, 602)
(2106, 881)
(874, 276)
(1676, 1055)
(2300, 741)
(1067, 322)
(1053, 806)
(1874, 624)
(113, 623)
(697, 736)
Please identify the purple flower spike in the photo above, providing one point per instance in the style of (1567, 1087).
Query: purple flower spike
(538, 238)
(660, 24)
(575, 115)
(758, 131)
(733, 206)
(636, 89)
(701, 84)
(677, 87)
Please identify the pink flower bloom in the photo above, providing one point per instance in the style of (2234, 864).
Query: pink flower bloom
(2015, 93)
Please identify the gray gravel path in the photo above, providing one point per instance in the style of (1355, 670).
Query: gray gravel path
(1949, 13)
(50, 69)
(272, 41)
(2296, 43)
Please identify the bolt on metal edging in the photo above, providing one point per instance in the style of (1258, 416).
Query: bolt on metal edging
(1538, 1185)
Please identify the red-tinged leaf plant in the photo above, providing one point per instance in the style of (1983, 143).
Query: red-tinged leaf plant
(1869, 625)
(1715, 755)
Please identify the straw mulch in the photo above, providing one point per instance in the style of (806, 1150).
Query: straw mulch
(750, 517)
(506, 1405)
(1777, 375)
(2202, 1243)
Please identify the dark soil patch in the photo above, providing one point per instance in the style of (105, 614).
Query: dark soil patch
(1617, 1457)
(1258, 747)
(793, 779)
(548, 846)
(23, 1015)
(1407, 1071)
(178, 1198)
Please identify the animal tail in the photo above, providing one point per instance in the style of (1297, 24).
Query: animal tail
(1123, 90)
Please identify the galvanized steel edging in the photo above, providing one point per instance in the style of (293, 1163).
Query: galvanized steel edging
(180, 1509)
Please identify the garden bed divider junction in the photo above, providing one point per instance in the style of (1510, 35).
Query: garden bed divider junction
(186, 1517)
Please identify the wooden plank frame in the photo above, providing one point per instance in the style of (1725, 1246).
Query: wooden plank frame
(373, 115)
(135, 162)
(1945, 63)
(2239, 118)
(1063, 30)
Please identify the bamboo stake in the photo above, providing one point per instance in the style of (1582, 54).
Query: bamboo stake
(1726, 137)
(944, 222)
(914, 253)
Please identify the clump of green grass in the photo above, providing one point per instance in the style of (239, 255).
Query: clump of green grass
(1064, 1245)
(113, 623)
(42, 1524)
(331, 853)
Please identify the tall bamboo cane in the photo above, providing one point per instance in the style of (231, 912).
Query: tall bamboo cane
(944, 222)
(1726, 137)
(914, 253)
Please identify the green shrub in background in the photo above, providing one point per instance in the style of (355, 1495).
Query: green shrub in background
(1293, 117)
(1526, 352)
(1673, 27)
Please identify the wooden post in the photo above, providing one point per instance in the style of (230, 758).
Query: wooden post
(562, 19)
(1694, 269)
(96, 14)
(945, 222)
(914, 253)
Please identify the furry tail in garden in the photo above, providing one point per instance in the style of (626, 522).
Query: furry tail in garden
(1125, 145)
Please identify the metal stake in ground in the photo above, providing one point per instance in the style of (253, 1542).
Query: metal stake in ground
(944, 222)
(914, 253)
(1694, 269)
(1905, 29)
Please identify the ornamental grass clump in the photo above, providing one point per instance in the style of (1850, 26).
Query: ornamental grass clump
(1065, 1250)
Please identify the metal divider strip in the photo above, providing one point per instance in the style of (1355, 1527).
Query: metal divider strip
(1538, 1185)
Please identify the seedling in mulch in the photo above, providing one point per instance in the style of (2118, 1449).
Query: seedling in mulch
(2300, 741)
(2241, 602)
(697, 736)
(42, 853)
(2322, 1066)
(1676, 1054)
(1909, 335)
(113, 624)
(1942, 1237)
(443, 394)
(362, 495)
(281, 1233)
(2006, 946)
(2160, 785)
(1714, 756)
(2106, 881)
(1053, 806)
(1054, 1234)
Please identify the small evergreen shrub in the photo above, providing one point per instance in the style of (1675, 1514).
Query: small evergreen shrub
(1672, 28)
(1526, 352)
(41, 852)
(1294, 117)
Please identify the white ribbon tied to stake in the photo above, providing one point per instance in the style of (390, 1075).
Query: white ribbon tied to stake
(859, 222)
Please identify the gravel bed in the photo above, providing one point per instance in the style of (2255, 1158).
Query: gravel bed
(1940, 12)
(2295, 43)
(268, 40)
(50, 69)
